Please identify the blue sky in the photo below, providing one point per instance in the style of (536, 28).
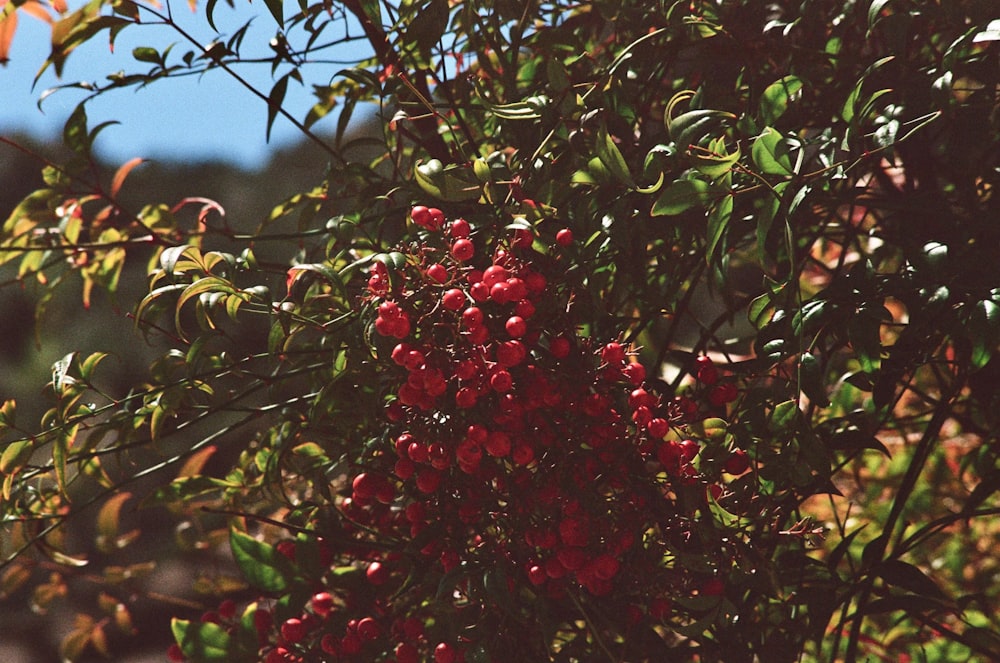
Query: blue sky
(186, 119)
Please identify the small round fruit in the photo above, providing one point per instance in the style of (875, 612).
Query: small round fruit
(463, 249)
(453, 299)
(564, 237)
(293, 630)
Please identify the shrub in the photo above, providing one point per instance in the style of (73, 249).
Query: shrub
(488, 396)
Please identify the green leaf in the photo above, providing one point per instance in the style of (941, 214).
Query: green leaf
(204, 642)
(262, 565)
(784, 415)
(716, 161)
(15, 455)
(718, 221)
(75, 131)
(692, 127)
(863, 332)
(612, 158)
(774, 102)
(456, 183)
(874, 10)
(147, 54)
(770, 153)
(983, 329)
(811, 379)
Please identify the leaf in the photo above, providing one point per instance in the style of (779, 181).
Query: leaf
(276, 7)
(874, 12)
(692, 127)
(75, 642)
(990, 33)
(611, 157)
(147, 54)
(275, 99)
(108, 536)
(716, 161)
(811, 379)
(784, 415)
(455, 183)
(718, 221)
(75, 134)
(204, 642)
(776, 97)
(262, 565)
(984, 331)
(770, 153)
(681, 196)
(8, 26)
(15, 455)
(908, 603)
(863, 332)
(906, 576)
(60, 368)
(427, 26)
(122, 173)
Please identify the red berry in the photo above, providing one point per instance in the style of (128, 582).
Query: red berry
(705, 370)
(377, 573)
(511, 353)
(494, 274)
(613, 353)
(537, 575)
(262, 621)
(365, 486)
(460, 229)
(293, 630)
(737, 463)
(463, 249)
(175, 654)
(516, 326)
(559, 347)
(564, 237)
(523, 238)
(368, 629)
(472, 317)
(407, 653)
(428, 480)
(445, 653)
(437, 273)
(501, 381)
(351, 644)
(453, 299)
(421, 216)
(329, 644)
(658, 428)
(498, 444)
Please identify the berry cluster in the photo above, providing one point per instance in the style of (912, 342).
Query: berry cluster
(521, 457)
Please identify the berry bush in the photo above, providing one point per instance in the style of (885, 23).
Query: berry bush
(648, 331)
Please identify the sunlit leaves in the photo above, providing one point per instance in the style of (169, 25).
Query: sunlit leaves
(202, 641)
(261, 564)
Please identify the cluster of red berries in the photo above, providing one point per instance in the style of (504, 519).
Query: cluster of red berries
(516, 448)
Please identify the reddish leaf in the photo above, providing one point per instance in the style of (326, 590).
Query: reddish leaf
(8, 25)
(122, 173)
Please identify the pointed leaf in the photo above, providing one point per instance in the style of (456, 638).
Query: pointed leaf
(262, 565)
(205, 642)
(776, 97)
(680, 196)
(770, 153)
(718, 221)
(122, 173)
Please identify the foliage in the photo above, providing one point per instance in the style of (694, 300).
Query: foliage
(602, 462)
